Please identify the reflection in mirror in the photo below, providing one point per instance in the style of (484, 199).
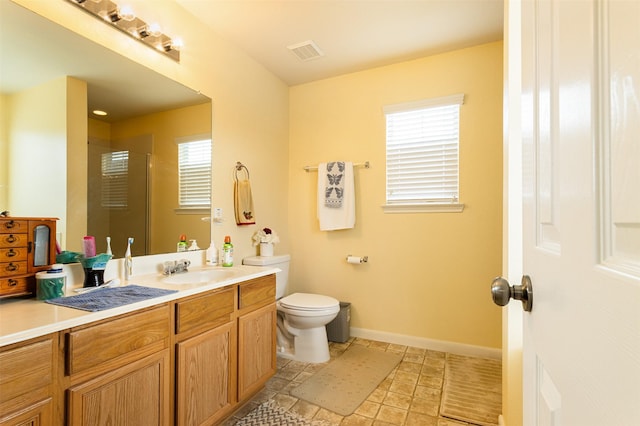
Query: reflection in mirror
(148, 114)
(134, 183)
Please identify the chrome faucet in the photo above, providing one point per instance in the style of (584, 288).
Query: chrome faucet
(176, 266)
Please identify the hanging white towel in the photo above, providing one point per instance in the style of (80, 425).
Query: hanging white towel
(334, 218)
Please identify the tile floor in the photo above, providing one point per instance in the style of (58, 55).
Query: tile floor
(409, 396)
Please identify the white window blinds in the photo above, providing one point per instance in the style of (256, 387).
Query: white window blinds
(422, 151)
(194, 173)
(115, 179)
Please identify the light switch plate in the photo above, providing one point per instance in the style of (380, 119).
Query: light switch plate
(217, 214)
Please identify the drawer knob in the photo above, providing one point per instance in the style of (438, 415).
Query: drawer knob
(11, 253)
(11, 238)
(12, 267)
(10, 224)
(13, 283)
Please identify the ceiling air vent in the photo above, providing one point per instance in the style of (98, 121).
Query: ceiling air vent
(306, 51)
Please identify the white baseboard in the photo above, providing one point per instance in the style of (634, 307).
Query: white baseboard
(421, 342)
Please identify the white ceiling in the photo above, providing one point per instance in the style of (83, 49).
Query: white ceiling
(353, 34)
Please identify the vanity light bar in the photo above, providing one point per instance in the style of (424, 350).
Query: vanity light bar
(124, 19)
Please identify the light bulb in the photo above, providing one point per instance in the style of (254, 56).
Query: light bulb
(154, 29)
(126, 13)
(177, 44)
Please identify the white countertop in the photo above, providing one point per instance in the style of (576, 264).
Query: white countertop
(23, 319)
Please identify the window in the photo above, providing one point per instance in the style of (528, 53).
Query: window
(194, 173)
(422, 155)
(114, 167)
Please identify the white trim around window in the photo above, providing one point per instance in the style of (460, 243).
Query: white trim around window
(422, 148)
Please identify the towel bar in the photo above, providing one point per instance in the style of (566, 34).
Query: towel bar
(366, 165)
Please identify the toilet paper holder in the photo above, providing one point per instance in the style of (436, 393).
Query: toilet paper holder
(357, 259)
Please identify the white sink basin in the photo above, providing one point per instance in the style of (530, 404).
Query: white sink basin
(199, 277)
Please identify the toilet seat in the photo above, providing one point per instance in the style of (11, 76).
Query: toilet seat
(309, 302)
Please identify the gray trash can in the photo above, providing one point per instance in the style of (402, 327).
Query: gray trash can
(338, 329)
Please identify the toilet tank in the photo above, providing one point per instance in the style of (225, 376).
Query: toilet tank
(280, 261)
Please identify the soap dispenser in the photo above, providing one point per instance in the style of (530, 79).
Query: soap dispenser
(193, 246)
(212, 254)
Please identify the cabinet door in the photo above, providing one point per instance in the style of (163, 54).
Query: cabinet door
(256, 349)
(204, 375)
(39, 414)
(136, 394)
(26, 379)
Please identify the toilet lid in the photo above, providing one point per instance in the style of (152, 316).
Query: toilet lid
(309, 302)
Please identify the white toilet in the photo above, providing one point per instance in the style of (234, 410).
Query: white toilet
(302, 317)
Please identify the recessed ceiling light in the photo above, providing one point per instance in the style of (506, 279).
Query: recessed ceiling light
(99, 112)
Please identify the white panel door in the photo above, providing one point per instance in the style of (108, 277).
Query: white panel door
(581, 211)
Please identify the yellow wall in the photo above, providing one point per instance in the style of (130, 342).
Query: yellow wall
(4, 152)
(75, 227)
(428, 274)
(37, 136)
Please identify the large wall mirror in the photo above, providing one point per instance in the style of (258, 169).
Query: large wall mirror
(148, 116)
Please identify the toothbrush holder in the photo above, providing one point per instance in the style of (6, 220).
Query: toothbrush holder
(94, 269)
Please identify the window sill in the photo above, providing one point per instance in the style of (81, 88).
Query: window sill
(423, 208)
(193, 210)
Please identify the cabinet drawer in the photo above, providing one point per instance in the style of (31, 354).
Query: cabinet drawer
(257, 292)
(19, 285)
(13, 240)
(13, 254)
(8, 226)
(205, 312)
(8, 269)
(146, 331)
(26, 373)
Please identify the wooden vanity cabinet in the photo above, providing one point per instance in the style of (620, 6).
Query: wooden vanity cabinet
(192, 361)
(27, 382)
(27, 245)
(205, 357)
(119, 370)
(225, 349)
(256, 335)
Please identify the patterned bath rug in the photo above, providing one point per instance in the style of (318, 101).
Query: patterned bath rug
(270, 414)
(346, 382)
(472, 390)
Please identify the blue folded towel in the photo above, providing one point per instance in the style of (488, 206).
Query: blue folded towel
(108, 298)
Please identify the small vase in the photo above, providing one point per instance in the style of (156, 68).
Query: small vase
(266, 249)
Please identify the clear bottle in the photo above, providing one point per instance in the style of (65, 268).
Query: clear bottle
(227, 252)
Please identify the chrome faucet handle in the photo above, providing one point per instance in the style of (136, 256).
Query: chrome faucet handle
(169, 267)
(182, 265)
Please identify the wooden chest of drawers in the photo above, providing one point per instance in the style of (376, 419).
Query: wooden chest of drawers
(27, 245)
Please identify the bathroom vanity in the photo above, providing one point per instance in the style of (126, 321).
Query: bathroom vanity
(188, 358)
